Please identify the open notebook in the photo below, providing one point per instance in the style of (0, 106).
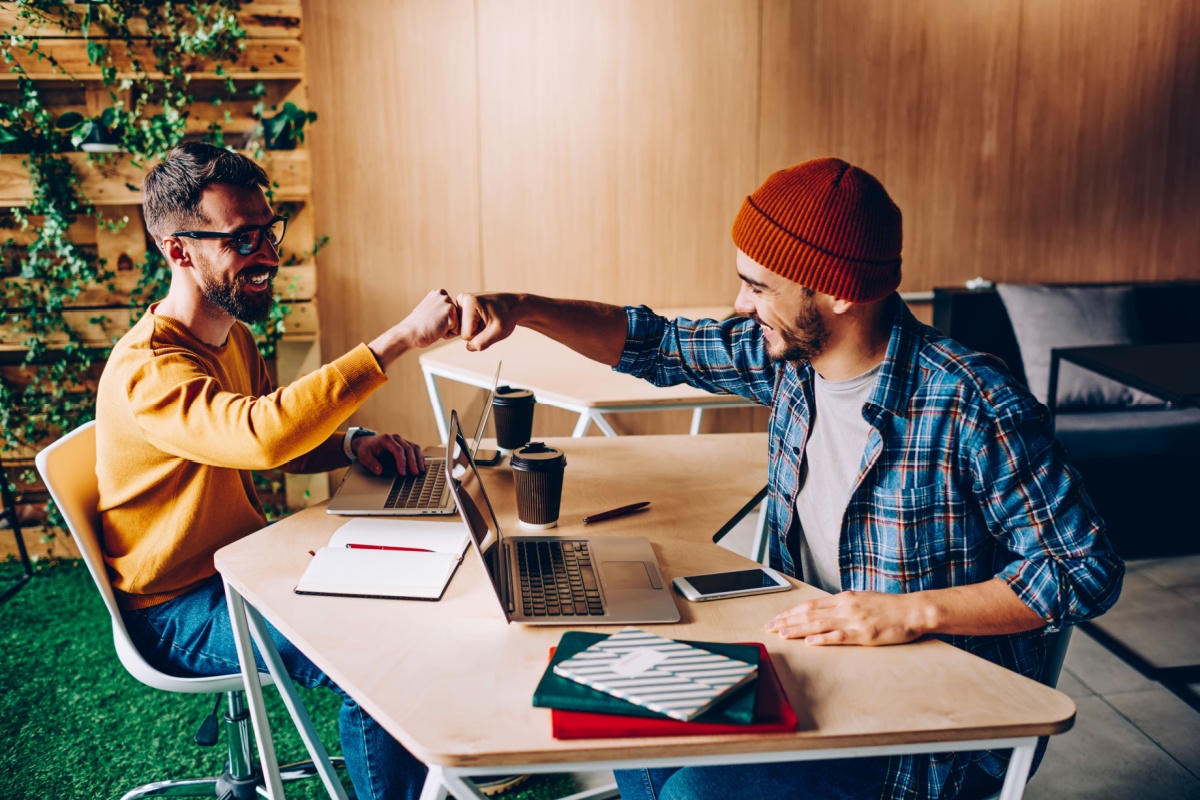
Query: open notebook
(400, 559)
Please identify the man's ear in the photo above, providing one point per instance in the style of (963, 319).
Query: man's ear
(840, 306)
(177, 255)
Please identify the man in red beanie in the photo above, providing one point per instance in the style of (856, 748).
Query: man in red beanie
(910, 477)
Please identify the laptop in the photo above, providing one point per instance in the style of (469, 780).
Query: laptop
(557, 580)
(364, 493)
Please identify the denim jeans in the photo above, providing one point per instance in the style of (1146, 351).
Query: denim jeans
(842, 779)
(192, 636)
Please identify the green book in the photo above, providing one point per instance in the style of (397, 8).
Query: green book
(554, 691)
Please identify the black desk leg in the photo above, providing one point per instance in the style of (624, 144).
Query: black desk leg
(1052, 395)
(10, 512)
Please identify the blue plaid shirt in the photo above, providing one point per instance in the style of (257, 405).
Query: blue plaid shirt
(962, 481)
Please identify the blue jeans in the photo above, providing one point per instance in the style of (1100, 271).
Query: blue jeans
(843, 779)
(191, 635)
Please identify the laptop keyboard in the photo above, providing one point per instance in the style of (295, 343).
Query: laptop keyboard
(418, 491)
(557, 579)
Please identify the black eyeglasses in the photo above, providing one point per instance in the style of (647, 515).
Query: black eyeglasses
(248, 239)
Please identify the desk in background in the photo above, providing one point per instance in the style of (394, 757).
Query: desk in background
(560, 377)
(453, 682)
(1170, 372)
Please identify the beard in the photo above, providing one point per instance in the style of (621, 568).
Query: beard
(229, 295)
(804, 339)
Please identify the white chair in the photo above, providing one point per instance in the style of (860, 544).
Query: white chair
(68, 468)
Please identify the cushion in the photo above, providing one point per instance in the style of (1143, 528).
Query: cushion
(1045, 317)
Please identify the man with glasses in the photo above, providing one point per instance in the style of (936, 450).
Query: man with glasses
(185, 411)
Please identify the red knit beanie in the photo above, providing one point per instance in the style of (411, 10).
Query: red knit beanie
(825, 225)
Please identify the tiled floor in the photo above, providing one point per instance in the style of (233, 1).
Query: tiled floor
(1132, 737)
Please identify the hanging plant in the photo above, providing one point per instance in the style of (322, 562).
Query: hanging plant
(42, 271)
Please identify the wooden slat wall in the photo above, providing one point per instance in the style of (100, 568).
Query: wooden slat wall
(599, 148)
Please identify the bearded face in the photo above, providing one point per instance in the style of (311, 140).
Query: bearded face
(803, 339)
(247, 296)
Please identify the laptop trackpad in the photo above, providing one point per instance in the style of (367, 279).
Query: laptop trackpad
(625, 575)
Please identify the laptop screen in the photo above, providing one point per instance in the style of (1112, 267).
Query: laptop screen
(486, 413)
(473, 504)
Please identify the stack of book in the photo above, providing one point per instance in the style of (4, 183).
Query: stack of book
(634, 683)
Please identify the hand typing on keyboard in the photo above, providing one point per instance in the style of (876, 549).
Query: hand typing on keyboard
(381, 452)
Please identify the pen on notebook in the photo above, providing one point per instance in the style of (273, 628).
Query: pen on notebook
(617, 512)
(387, 547)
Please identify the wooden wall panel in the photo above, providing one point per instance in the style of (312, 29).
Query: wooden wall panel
(920, 94)
(599, 148)
(617, 140)
(395, 178)
(1105, 184)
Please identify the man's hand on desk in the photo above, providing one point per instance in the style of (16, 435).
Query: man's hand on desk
(380, 450)
(864, 618)
(990, 608)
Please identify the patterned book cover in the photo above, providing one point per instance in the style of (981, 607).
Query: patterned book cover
(669, 677)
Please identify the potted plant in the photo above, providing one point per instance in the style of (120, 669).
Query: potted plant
(91, 134)
(286, 128)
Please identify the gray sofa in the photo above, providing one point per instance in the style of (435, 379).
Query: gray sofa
(1140, 463)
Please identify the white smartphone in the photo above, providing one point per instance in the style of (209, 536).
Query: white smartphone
(716, 585)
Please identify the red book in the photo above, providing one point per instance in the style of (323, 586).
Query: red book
(772, 714)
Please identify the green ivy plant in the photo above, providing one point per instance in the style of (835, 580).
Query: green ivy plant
(51, 386)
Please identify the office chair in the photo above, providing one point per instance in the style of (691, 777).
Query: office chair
(10, 515)
(68, 468)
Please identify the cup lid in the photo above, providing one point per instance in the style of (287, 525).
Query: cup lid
(537, 457)
(506, 395)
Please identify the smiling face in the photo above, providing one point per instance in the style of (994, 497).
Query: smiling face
(789, 314)
(237, 285)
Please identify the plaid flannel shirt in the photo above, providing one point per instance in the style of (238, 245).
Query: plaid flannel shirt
(961, 481)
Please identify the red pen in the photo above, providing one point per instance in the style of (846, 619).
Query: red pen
(388, 547)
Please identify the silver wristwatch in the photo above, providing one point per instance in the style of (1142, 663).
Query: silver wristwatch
(346, 442)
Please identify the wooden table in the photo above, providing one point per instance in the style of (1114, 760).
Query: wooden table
(452, 681)
(560, 377)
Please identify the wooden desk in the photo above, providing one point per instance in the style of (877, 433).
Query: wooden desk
(453, 682)
(560, 377)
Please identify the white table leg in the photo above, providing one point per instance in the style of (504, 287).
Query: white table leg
(435, 399)
(585, 419)
(254, 697)
(697, 418)
(463, 789)
(603, 424)
(1018, 772)
(434, 788)
(295, 707)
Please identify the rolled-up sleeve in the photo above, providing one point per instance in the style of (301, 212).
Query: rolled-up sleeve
(1064, 567)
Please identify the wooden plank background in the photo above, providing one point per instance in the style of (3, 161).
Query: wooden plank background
(599, 148)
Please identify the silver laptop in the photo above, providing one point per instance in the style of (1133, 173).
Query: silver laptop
(557, 580)
(363, 493)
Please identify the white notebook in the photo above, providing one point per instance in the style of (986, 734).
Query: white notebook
(420, 573)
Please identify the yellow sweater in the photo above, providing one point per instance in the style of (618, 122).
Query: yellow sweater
(180, 425)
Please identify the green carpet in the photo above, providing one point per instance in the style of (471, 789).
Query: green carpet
(74, 724)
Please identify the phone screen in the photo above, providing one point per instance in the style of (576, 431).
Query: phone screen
(721, 582)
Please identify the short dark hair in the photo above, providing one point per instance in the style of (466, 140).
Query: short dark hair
(171, 191)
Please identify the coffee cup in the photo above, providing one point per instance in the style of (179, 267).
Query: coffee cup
(538, 473)
(513, 411)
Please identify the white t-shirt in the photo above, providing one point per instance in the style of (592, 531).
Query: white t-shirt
(837, 438)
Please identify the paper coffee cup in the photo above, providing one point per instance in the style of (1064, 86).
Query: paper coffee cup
(538, 473)
(512, 409)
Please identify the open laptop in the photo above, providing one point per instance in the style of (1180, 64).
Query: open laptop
(363, 493)
(557, 580)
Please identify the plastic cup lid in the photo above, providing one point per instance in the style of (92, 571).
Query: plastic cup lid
(538, 457)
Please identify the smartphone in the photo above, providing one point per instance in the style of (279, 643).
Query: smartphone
(716, 585)
(487, 458)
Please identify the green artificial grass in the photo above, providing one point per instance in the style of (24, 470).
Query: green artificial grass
(74, 724)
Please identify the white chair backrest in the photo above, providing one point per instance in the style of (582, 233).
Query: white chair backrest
(68, 468)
